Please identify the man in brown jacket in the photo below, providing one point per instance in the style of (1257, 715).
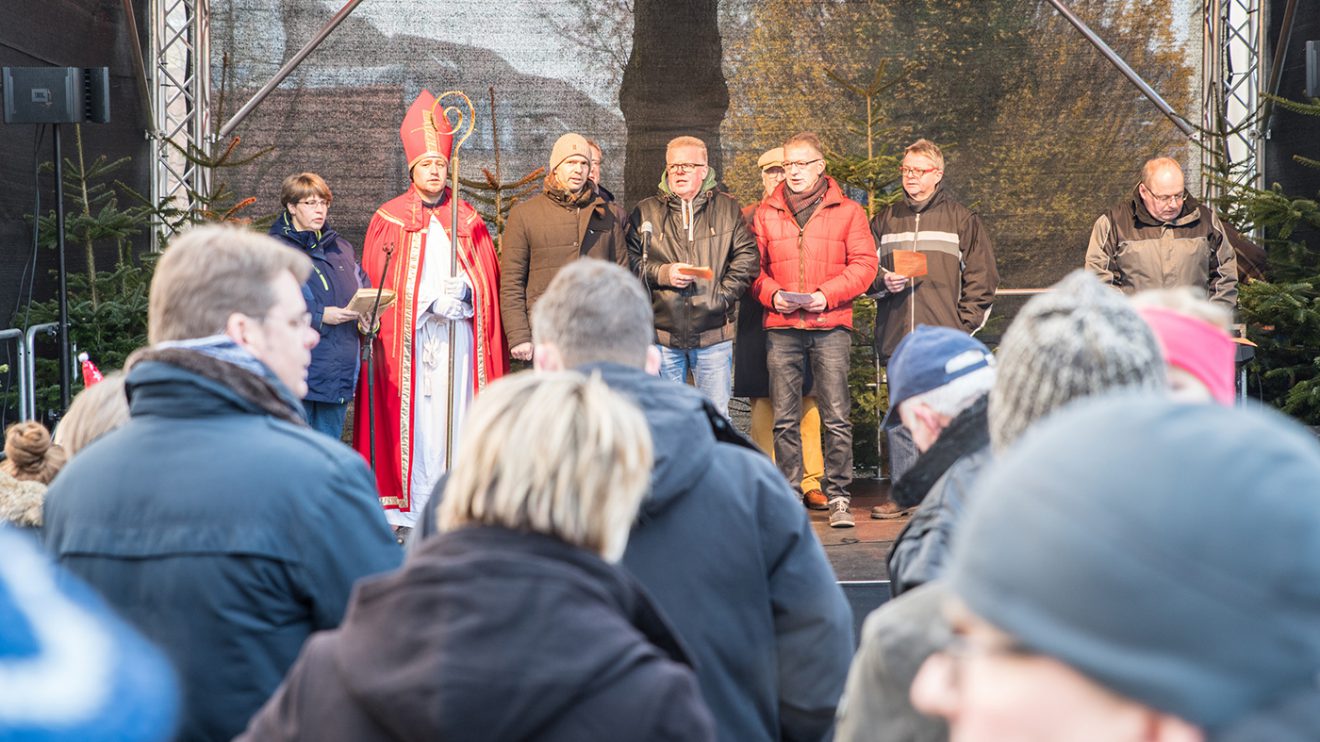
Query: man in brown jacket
(569, 219)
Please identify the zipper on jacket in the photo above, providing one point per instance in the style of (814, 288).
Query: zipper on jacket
(324, 283)
(802, 256)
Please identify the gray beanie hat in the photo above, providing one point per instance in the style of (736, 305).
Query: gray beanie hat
(1079, 340)
(1170, 552)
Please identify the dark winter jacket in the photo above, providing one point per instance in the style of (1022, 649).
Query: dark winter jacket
(491, 635)
(726, 551)
(921, 551)
(543, 236)
(223, 533)
(959, 287)
(1132, 250)
(832, 253)
(335, 277)
(708, 232)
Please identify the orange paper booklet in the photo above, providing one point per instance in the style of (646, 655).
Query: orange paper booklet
(909, 263)
(697, 271)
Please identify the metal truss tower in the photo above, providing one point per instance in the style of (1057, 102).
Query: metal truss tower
(1233, 78)
(180, 86)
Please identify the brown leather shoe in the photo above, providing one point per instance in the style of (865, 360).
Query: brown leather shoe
(815, 500)
(888, 510)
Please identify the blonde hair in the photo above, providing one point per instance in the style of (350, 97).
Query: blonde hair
(208, 273)
(29, 454)
(808, 138)
(677, 142)
(928, 149)
(96, 410)
(297, 187)
(1185, 300)
(555, 453)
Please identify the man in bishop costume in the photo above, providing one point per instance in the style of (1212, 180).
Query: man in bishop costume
(434, 308)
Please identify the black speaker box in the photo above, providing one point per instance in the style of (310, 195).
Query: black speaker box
(56, 95)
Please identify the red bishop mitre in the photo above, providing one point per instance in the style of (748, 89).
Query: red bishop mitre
(425, 133)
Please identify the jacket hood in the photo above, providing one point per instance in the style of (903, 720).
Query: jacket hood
(478, 599)
(21, 501)
(283, 229)
(158, 388)
(681, 431)
(707, 184)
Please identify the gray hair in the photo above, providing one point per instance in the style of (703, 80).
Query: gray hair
(209, 273)
(594, 311)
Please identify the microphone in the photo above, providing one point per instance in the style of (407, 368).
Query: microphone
(645, 231)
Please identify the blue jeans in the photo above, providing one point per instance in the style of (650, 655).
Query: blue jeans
(326, 417)
(788, 351)
(902, 449)
(712, 370)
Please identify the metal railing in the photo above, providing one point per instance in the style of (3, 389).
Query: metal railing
(27, 377)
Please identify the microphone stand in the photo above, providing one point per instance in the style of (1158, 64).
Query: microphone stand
(372, 327)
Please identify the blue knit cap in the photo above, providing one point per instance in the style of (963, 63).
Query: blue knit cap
(1170, 552)
(930, 357)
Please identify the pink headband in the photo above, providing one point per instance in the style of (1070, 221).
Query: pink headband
(1197, 347)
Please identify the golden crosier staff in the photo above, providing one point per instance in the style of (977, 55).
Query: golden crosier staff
(458, 115)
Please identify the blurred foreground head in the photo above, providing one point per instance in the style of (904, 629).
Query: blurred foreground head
(1135, 569)
(593, 312)
(554, 453)
(1082, 339)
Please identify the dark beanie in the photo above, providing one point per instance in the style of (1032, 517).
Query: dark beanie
(1079, 340)
(1170, 552)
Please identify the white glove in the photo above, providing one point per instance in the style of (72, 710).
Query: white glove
(459, 289)
(450, 308)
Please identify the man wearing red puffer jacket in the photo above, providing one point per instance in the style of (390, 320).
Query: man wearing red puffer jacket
(817, 255)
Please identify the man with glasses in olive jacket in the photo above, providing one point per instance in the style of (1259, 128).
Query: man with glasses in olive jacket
(696, 259)
(1162, 237)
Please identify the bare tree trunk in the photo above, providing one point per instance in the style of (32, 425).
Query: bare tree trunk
(672, 86)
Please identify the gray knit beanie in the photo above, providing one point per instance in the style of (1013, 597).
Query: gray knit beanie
(1079, 340)
(1170, 552)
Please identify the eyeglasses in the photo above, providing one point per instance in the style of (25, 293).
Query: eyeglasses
(918, 172)
(681, 168)
(300, 321)
(958, 651)
(800, 164)
(315, 203)
(1174, 198)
